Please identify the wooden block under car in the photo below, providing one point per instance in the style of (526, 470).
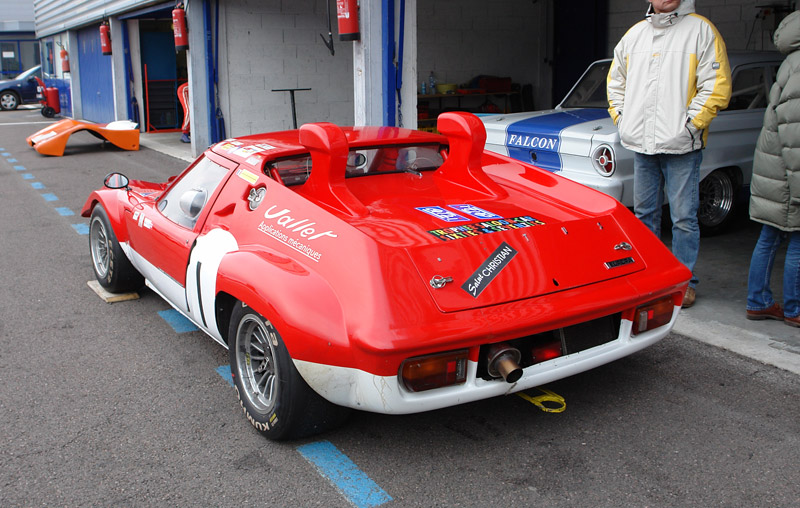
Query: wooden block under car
(111, 297)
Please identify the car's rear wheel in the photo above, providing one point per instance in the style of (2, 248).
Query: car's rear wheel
(9, 100)
(275, 398)
(112, 268)
(718, 194)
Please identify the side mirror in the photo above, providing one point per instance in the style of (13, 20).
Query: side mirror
(116, 181)
(192, 202)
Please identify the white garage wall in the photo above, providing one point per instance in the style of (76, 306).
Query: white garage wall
(267, 44)
(741, 23)
(461, 39)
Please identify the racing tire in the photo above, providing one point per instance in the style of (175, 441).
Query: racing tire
(48, 112)
(272, 393)
(112, 268)
(718, 196)
(9, 100)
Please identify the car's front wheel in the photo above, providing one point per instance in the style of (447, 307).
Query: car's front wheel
(112, 268)
(718, 194)
(275, 398)
(9, 100)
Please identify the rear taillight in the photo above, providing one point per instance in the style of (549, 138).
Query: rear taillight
(434, 371)
(603, 160)
(654, 314)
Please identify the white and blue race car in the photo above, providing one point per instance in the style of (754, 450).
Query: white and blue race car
(579, 141)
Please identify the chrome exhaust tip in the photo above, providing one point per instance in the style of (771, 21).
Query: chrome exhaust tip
(503, 361)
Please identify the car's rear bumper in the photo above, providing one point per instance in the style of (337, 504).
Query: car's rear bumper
(384, 394)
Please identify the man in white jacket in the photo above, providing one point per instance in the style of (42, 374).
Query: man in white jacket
(669, 77)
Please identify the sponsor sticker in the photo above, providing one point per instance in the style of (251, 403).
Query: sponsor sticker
(247, 176)
(299, 233)
(478, 213)
(141, 220)
(486, 227)
(442, 214)
(485, 274)
(230, 144)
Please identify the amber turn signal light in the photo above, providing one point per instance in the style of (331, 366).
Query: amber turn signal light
(434, 371)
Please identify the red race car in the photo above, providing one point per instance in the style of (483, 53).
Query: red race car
(386, 269)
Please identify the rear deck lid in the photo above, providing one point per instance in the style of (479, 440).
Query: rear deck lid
(500, 261)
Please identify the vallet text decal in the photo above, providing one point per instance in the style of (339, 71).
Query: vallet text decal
(498, 260)
(482, 228)
(297, 233)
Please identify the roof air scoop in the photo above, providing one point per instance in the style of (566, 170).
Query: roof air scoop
(328, 147)
(466, 136)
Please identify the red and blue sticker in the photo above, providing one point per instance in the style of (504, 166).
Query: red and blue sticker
(446, 215)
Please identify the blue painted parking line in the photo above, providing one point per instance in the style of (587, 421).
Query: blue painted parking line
(6, 154)
(27, 176)
(177, 321)
(50, 197)
(225, 372)
(82, 229)
(348, 479)
(37, 185)
(20, 168)
(64, 211)
(12, 160)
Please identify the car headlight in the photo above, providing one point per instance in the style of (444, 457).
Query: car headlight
(603, 160)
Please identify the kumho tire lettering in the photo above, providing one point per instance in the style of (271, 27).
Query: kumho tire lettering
(273, 396)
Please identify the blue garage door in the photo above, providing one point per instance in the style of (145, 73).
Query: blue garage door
(97, 88)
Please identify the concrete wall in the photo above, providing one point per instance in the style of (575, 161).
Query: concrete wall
(268, 44)
(741, 23)
(461, 39)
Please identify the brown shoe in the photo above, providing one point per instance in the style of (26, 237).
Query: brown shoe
(688, 298)
(774, 312)
(792, 321)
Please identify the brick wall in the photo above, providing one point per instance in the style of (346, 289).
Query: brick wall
(270, 44)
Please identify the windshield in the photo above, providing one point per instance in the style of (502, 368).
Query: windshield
(590, 91)
(27, 74)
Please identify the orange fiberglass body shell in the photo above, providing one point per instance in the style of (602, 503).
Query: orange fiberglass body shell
(53, 139)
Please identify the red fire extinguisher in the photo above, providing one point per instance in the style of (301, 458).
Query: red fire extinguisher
(105, 39)
(179, 28)
(347, 14)
(64, 60)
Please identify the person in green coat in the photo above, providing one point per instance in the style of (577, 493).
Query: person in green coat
(775, 188)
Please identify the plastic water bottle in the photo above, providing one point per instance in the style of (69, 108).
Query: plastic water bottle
(422, 89)
(432, 83)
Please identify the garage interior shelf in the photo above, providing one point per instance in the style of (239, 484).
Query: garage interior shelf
(428, 112)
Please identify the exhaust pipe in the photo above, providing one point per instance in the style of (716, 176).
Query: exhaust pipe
(503, 361)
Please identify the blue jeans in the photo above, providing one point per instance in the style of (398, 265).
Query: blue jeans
(679, 176)
(759, 295)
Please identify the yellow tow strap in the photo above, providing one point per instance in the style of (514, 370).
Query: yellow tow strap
(548, 396)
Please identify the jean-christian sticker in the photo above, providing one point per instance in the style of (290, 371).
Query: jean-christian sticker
(486, 273)
(478, 213)
(442, 214)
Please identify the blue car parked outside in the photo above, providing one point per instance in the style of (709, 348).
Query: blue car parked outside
(20, 90)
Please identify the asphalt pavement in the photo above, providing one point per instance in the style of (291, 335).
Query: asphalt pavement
(114, 405)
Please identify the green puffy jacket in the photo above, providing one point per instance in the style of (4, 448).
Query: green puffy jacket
(775, 189)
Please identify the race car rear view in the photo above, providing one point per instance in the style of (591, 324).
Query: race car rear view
(385, 269)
